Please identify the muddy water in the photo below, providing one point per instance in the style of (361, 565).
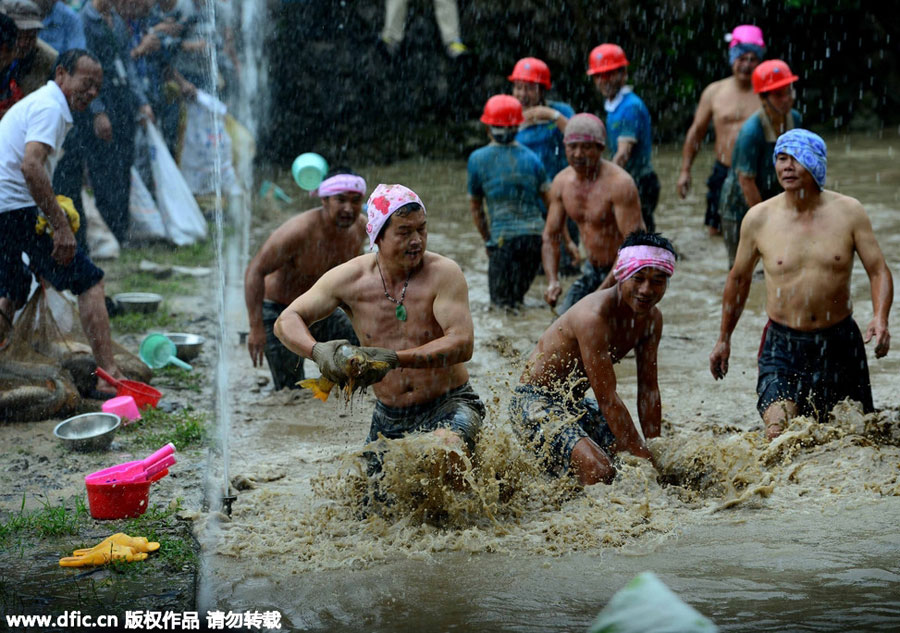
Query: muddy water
(796, 535)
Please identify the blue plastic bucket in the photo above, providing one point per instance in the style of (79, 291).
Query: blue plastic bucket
(309, 170)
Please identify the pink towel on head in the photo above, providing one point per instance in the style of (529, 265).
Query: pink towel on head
(341, 183)
(383, 202)
(634, 258)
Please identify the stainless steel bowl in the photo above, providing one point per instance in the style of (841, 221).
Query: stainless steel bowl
(88, 432)
(187, 346)
(145, 302)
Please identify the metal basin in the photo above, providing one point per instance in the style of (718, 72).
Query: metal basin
(145, 302)
(88, 432)
(187, 346)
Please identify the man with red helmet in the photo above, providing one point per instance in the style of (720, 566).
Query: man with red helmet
(542, 132)
(726, 103)
(510, 178)
(544, 121)
(630, 139)
(752, 178)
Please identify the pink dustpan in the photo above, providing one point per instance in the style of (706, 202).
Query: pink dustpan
(136, 470)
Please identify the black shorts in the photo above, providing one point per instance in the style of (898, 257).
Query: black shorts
(648, 189)
(551, 425)
(590, 280)
(713, 194)
(815, 370)
(17, 236)
(460, 410)
(512, 267)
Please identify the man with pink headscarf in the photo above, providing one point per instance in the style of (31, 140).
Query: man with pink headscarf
(727, 103)
(549, 411)
(600, 197)
(292, 259)
(410, 308)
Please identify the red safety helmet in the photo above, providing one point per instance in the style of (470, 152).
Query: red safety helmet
(606, 57)
(502, 111)
(531, 69)
(772, 74)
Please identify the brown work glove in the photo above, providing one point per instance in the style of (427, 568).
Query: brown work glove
(332, 360)
(379, 362)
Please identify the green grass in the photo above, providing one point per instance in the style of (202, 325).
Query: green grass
(161, 524)
(184, 428)
(138, 323)
(177, 378)
(199, 254)
(47, 521)
(148, 282)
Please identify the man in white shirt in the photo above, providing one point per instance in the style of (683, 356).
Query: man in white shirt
(31, 136)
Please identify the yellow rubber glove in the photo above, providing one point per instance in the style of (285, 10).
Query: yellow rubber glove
(137, 543)
(101, 556)
(66, 205)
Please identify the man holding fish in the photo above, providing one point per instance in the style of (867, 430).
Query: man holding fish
(414, 306)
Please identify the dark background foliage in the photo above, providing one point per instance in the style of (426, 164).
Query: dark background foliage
(335, 90)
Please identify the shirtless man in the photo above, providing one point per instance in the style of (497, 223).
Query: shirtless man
(603, 201)
(727, 103)
(291, 260)
(413, 305)
(577, 352)
(812, 354)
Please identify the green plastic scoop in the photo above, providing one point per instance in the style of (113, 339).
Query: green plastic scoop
(158, 350)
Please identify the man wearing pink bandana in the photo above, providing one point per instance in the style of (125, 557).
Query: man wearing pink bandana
(549, 411)
(292, 259)
(600, 197)
(410, 308)
(725, 103)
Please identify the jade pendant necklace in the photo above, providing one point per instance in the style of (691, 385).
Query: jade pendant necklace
(400, 312)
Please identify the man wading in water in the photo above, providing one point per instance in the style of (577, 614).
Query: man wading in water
(812, 353)
(414, 306)
(568, 431)
(292, 259)
(726, 103)
(603, 201)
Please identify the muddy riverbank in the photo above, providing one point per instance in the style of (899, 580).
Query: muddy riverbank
(44, 511)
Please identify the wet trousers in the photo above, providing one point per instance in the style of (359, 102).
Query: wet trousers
(713, 194)
(512, 267)
(815, 370)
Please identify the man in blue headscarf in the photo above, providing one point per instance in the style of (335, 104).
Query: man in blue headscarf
(726, 104)
(812, 354)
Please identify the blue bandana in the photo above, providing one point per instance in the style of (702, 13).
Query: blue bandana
(740, 48)
(807, 148)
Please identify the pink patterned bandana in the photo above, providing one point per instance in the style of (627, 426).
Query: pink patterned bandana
(341, 183)
(634, 258)
(383, 202)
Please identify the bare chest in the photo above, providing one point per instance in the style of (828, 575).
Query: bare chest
(732, 107)
(588, 205)
(393, 318)
(790, 248)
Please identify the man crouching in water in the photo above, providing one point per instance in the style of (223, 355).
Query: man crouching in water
(413, 305)
(578, 351)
